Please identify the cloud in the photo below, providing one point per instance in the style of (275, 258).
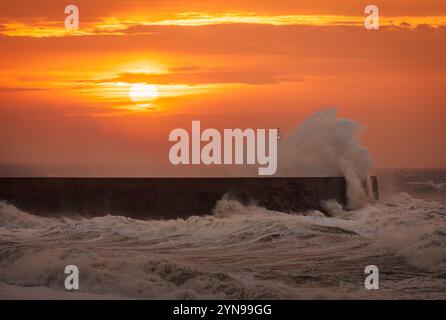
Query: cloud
(207, 77)
(20, 89)
(40, 27)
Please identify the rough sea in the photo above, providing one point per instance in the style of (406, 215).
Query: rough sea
(239, 252)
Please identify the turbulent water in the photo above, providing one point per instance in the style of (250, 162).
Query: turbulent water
(243, 252)
(239, 252)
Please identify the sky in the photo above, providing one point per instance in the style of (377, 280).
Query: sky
(65, 107)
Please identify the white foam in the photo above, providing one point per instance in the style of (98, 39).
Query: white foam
(214, 256)
(325, 145)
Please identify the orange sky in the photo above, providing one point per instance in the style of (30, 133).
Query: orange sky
(65, 109)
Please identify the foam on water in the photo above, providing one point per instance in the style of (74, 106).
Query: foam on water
(239, 252)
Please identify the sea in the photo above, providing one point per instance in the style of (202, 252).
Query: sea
(239, 252)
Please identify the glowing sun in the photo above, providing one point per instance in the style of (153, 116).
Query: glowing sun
(141, 93)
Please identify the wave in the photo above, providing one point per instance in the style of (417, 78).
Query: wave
(325, 145)
(431, 185)
(412, 228)
(157, 273)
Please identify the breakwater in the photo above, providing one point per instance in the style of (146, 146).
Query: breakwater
(167, 198)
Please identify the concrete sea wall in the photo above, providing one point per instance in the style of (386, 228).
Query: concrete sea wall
(166, 198)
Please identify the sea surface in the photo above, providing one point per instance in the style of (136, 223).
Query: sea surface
(239, 252)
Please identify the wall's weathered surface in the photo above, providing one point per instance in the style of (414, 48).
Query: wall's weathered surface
(164, 197)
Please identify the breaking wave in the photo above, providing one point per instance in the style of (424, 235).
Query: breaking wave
(325, 145)
(239, 252)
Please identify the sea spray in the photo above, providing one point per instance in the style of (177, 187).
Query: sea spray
(325, 145)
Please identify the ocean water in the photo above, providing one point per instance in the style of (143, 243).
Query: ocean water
(239, 252)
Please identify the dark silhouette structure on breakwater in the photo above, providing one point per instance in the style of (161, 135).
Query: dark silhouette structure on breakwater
(166, 198)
